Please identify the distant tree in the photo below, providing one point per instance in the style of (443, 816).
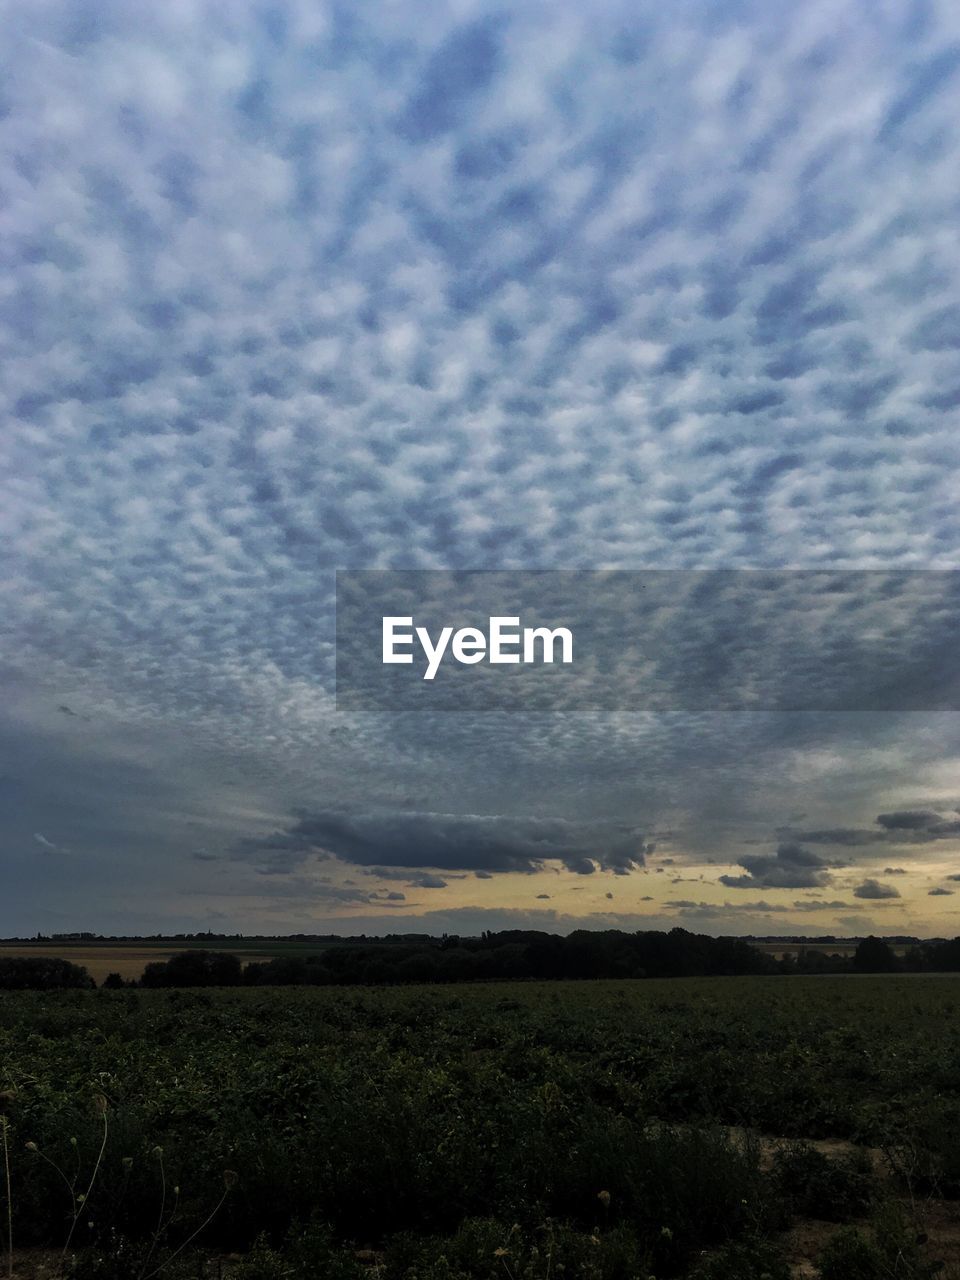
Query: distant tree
(943, 956)
(112, 982)
(194, 969)
(509, 955)
(284, 971)
(874, 955)
(42, 973)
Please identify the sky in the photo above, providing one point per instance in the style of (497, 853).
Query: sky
(296, 287)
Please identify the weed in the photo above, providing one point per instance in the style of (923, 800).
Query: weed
(889, 1250)
(5, 1099)
(812, 1185)
(752, 1258)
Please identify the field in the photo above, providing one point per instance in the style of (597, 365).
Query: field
(129, 960)
(845, 949)
(724, 1129)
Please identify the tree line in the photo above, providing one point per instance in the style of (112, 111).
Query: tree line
(510, 955)
(506, 956)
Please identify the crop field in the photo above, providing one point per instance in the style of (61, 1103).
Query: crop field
(722, 1129)
(129, 961)
(847, 948)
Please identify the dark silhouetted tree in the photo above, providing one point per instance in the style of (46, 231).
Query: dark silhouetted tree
(194, 969)
(42, 973)
(873, 955)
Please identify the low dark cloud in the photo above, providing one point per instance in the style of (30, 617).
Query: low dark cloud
(732, 911)
(848, 837)
(873, 889)
(581, 866)
(427, 881)
(792, 867)
(902, 827)
(921, 824)
(819, 904)
(386, 843)
(908, 820)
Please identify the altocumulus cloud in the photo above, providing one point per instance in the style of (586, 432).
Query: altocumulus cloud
(313, 306)
(468, 287)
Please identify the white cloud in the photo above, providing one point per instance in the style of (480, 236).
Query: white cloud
(284, 296)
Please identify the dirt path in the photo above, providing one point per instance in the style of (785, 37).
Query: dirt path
(833, 1148)
(939, 1220)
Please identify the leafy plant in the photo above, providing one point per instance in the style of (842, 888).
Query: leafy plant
(890, 1250)
(812, 1185)
(752, 1258)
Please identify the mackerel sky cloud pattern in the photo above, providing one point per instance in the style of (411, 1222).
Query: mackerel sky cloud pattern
(295, 287)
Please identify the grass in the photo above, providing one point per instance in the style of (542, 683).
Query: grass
(418, 1123)
(8, 1187)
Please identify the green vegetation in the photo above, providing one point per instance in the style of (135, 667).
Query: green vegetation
(511, 954)
(813, 1186)
(42, 973)
(506, 956)
(533, 1130)
(889, 1247)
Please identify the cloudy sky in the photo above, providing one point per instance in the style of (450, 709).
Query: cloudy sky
(292, 287)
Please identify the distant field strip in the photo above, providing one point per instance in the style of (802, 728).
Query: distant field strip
(129, 962)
